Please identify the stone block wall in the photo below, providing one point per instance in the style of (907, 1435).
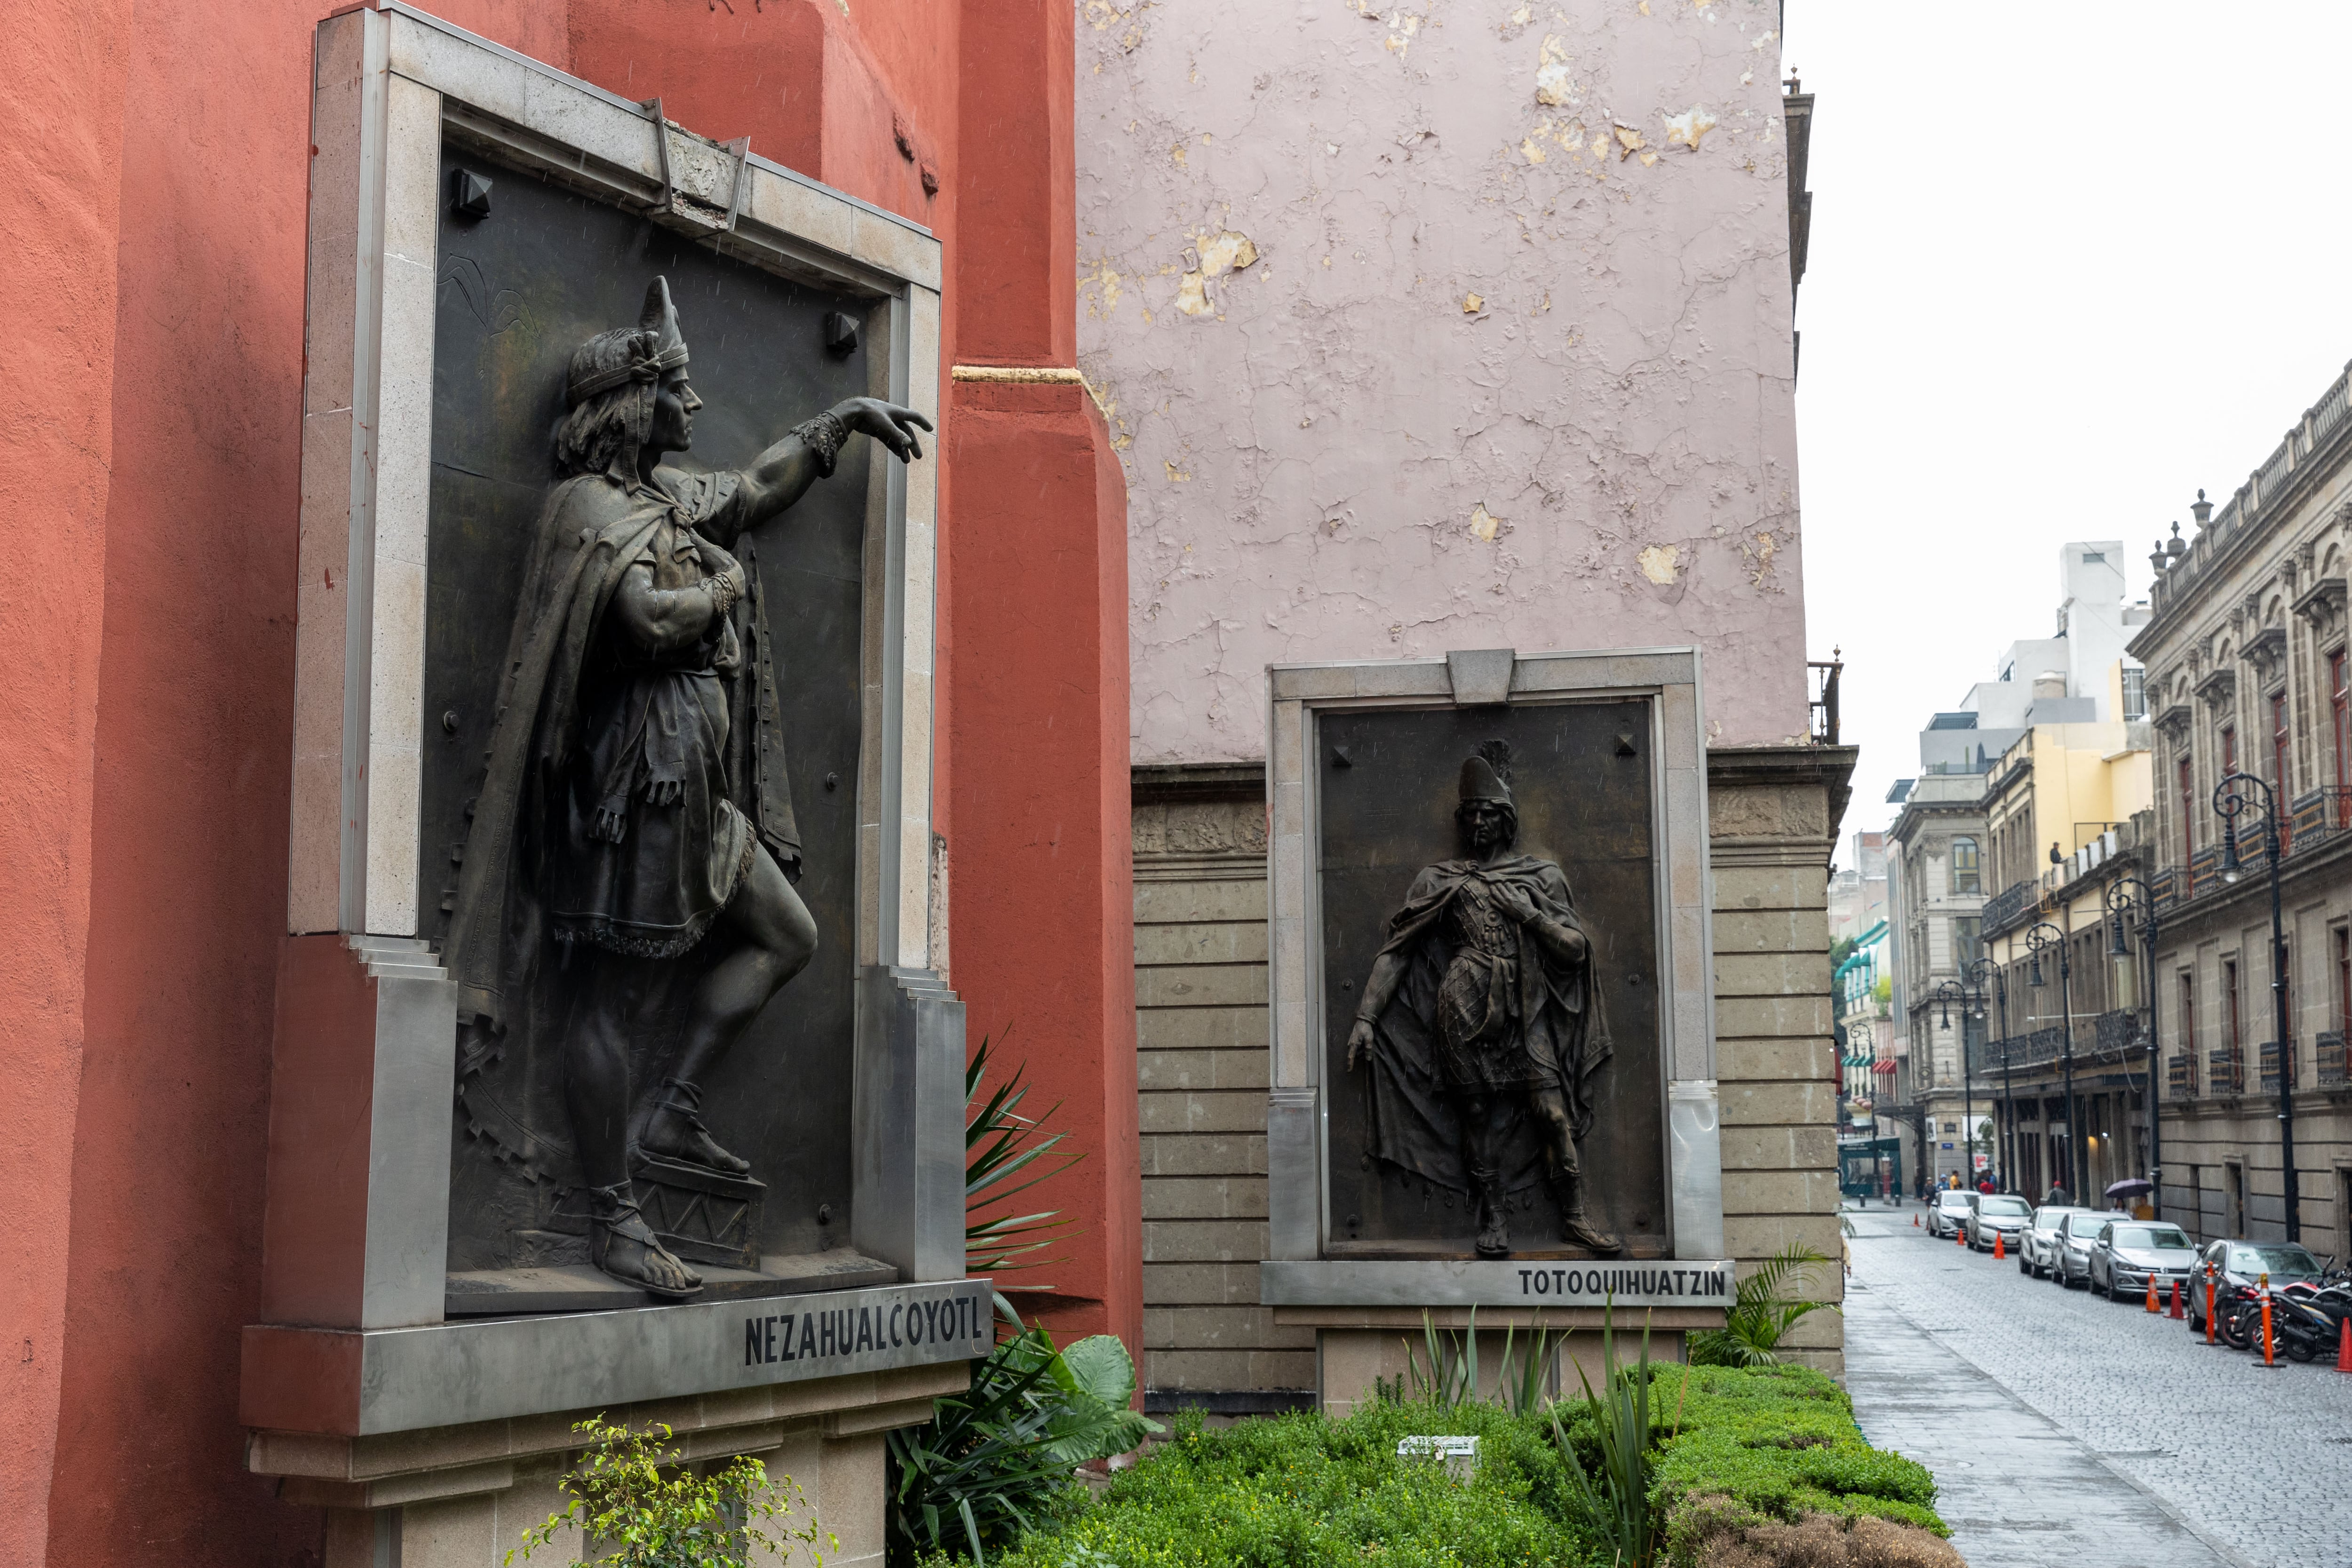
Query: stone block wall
(1772, 813)
(1201, 1055)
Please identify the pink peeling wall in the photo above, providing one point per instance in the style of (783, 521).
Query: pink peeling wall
(1459, 324)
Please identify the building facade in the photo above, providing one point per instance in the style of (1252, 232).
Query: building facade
(2248, 679)
(1936, 887)
(1352, 437)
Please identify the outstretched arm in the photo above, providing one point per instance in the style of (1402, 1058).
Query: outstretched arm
(782, 474)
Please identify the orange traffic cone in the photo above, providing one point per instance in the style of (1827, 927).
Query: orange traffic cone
(1959, 1236)
(2151, 1295)
(1914, 1222)
(2343, 1348)
(2177, 1314)
(1998, 1251)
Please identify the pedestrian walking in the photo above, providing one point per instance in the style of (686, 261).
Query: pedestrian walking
(2059, 1196)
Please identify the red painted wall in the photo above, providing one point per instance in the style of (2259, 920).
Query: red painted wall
(156, 256)
(63, 122)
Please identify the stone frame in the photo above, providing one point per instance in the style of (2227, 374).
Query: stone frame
(1296, 1273)
(354, 1340)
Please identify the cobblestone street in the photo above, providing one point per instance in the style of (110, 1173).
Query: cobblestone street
(2232, 1462)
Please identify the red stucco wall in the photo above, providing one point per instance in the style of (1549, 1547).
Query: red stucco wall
(155, 253)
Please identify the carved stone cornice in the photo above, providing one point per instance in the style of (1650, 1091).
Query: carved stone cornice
(2266, 652)
(2320, 605)
(2173, 722)
(2219, 688)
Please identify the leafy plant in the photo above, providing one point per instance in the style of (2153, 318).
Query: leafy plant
(632, 1494)
(1615, 1504)
(996, 1461)
(1443, 1370)
(1002, 1146)
(1761, 1316)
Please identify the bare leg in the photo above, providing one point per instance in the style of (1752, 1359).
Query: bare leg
(1481, 1155)
(775, 939)
(1550, 1107)
(597, 1096)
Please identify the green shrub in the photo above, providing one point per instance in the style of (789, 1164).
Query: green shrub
(1733, 1449)
(638, 1505)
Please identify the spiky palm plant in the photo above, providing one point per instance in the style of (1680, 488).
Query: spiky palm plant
(1761, 1316)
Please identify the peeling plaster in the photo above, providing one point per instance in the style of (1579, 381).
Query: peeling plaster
(1528, 393)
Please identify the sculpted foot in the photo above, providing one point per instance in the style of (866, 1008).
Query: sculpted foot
(675, 1132)
(1494, 1230)
(622, 1245)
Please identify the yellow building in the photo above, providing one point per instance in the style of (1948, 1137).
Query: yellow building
(2068, 809)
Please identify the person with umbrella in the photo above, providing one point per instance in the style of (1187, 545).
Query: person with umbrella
(2132, 1195)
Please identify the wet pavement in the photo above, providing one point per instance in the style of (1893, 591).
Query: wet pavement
(2066, 1429)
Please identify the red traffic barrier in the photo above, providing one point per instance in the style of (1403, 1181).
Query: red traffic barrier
(2177, 1314)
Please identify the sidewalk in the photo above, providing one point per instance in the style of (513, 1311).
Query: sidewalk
(2017, 1491)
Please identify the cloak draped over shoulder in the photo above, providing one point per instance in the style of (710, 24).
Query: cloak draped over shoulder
(593, 528)
(1555, 1036)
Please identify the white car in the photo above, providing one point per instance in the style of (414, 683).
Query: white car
(2129, 1253)
(1996, 1215)
(1947, 1212)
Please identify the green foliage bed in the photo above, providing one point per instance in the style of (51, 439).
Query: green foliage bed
(1774, 1443)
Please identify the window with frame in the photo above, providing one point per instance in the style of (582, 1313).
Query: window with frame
(2187, 781)
(2188, 1014)
(2340, 712)
(1968, 939)
(2342, 937)
(2135, 694)
(2281, 750)
(2235, 1039)
(1968, 873)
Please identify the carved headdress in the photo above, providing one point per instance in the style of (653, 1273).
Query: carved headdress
(1486, 774)
(630, 359)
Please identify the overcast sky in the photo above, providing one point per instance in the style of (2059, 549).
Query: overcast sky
(2070, 262)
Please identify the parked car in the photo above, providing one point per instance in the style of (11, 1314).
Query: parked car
(1947, 1211)
(2077, 1234)
(2129, 1253)
(2037, 1244)
(2238, 1268)
(1997, 1214)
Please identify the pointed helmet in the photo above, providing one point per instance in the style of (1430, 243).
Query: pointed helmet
(1486, 774)
(656, 346)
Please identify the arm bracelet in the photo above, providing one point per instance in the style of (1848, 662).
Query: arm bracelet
(722, 596)
(824, 437)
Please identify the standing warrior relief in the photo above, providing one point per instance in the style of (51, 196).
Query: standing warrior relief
(636, 804)
(1486, 977)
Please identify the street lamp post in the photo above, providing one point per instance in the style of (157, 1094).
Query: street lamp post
(2233, 797)
(2124, 896)
(1979, 971)
(2040, 938)
(1947, 993)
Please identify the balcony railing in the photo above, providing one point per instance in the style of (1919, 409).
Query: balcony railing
(2269, 1066)
(2164, 888)
(2181, 1077)
(2225, 1071)
(2006, 908)
(2317, 817)
(2204, 871)
(2120, 1031)
(1823, 705)
(2116, 1031)
(2329, 1056)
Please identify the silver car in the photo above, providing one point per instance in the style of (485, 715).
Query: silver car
(2129, 1253)
(2078, 1233)
(2037, 1244)
(1996, 1215)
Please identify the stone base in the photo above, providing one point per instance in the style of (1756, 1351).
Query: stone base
(1350, 1361)
(461, 1496)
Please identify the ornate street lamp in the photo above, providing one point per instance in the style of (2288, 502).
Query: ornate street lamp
(2037, 941)
(1971, 1001)
(2232, 798)
(1979, 971)
(2124, 897)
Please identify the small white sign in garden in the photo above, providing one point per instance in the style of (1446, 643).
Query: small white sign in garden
(1460, 1454)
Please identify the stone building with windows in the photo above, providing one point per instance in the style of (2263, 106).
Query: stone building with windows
(2247, 674)
(2028, 773)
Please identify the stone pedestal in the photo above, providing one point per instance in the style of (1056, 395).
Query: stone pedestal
(461, 1496)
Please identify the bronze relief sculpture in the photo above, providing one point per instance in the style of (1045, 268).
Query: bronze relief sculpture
(1486, 987)
(637, 805)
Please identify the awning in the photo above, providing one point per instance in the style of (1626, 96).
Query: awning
(1885, 1067)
